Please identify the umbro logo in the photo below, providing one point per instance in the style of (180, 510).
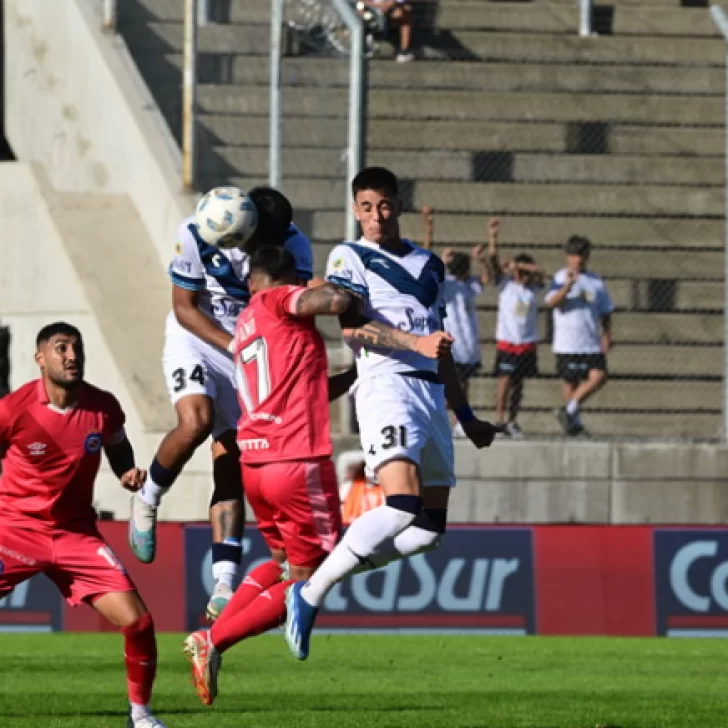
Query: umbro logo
(37, 448)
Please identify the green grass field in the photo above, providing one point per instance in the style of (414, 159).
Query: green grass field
(66, 680)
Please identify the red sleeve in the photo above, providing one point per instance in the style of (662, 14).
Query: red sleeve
(6, 424)
(114, 417)
(281, 302)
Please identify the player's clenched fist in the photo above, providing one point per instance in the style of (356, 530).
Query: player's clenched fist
(482, 433)
(133, 479)
(434, 346)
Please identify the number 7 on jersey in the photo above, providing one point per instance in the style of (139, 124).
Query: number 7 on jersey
(253, 374)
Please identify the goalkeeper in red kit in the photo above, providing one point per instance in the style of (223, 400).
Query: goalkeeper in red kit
(52, 432)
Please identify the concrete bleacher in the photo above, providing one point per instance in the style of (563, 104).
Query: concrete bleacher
(619, 137)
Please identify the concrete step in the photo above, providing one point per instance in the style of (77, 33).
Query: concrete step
(684, 396)
(470, 166)
(630, 328)
(674, 265)
(517, 230)
(503, 199)
(473, 75)
(465, 44)
(475, 136)
(322, 102)
(689, 426)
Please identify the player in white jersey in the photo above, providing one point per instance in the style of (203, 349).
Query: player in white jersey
(582, 311)
(210, 288)
(400, 401)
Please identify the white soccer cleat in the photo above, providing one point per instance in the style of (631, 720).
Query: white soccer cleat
(221, 595)
(206, 662)
(147, 721)
(143, 529)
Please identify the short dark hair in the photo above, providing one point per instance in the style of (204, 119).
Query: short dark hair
(375, 178)
(51, 330)
(578, 245)
(524, 258)
(274, 261)
(459, 264)
(275, 215)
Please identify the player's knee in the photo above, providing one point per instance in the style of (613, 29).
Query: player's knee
(132, 625)
(405, 507)
(195, 425)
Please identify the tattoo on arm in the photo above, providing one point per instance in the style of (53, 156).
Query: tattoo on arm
(381, 335)
(326, 300)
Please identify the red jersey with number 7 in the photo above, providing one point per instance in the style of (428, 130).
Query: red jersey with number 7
(282, 378)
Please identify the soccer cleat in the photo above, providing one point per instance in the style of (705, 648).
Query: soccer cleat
(206, 663)
(514, 430)
(571, 424)
(221, 595)
(147, 721)
(300, 617)
(142, 529)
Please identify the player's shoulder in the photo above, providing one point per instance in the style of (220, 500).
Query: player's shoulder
(101, 399)
(560, 275)
(15, 401)
(594, 278)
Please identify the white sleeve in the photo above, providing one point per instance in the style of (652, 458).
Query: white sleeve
(186, 269)
(556, 285)
(299, 246)
(345, 269)
(604, 301)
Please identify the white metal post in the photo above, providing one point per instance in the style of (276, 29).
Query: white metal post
(189, 96)
(721, 20)
(357, 109)
(275, 117)
(203, 12)
(585, 18)
(109, 16)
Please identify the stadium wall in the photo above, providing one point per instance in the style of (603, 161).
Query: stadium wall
(548, 580)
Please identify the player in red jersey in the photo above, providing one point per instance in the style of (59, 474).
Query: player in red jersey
(52, 431)
(284, 438)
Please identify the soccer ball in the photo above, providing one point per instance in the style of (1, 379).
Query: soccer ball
(226, 217)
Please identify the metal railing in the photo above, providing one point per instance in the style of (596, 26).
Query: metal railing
(721, 20)
(585, 18)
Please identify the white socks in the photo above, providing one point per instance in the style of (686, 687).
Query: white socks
(151, 493)
(572, 407)
(364, 536)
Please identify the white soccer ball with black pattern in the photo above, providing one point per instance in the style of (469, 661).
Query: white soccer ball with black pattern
(226, 217)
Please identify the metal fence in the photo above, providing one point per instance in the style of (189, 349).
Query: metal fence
(605, 123)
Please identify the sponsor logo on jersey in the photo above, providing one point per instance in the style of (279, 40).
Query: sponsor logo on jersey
(92, 444)
(418, 323)
(37, 448)
(11, 554)
(267, 417)
(259, 443)
(691, 582)
(382, 262)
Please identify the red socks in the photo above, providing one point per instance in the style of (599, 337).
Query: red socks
(265, 612)
(140, 654)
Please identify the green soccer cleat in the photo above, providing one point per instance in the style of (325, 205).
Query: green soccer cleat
(143, 529)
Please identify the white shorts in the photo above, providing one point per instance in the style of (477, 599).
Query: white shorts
(193, 367)
(406, 418)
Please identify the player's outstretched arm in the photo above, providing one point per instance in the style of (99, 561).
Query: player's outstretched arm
(326, 299)
(376, 334)
(184, 303)
(480, 432)
(121, 460)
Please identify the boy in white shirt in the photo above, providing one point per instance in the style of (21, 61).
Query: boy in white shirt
(519, 281)
(582, 311)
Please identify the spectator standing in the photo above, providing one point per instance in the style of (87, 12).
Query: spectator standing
(582, 311)
(519, 282)
(461, 291)
(358, 494)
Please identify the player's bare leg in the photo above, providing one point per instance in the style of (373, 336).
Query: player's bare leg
(126, 611)
(194, 422)
(227, 518)
(400, 481)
